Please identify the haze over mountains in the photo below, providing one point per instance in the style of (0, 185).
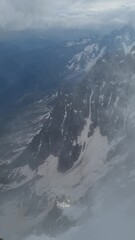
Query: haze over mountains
(67, 133)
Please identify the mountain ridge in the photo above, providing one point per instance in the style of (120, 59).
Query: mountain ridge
(83, 137)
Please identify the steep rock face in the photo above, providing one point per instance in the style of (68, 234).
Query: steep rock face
(100, 100)
(60, 130)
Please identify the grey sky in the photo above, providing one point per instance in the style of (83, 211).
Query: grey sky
(21, 14)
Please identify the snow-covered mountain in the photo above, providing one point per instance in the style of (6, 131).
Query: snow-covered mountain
(82, 135)
(89, 50)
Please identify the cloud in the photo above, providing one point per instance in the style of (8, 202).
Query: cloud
(18, 14)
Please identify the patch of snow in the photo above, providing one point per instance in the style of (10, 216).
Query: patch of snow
(128, 48)
(84, 134)
(133, 52)
(110, 98)
(65, 116)
(77, 43)
(101, 97)
(94, 60)
(127, 37)
(103, 84)
(88, 56)
(116, 101)
(122, 61)
(40, 101)
(62, 205)
(76, 181)
(74, 143)
(89, 48)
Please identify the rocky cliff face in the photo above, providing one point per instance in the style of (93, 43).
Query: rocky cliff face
(100, 100)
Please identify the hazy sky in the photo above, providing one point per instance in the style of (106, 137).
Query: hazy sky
(21, 14)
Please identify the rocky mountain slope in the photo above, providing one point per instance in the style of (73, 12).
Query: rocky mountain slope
(89, 128)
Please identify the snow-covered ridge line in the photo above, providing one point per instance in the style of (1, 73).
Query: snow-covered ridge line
(88, 51)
